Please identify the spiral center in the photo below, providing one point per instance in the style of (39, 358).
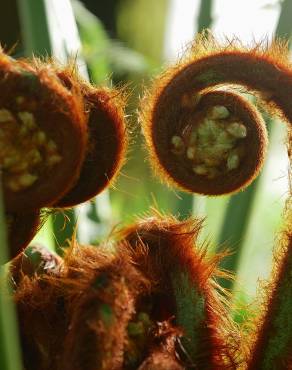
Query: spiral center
(214, 145)
(25, 149)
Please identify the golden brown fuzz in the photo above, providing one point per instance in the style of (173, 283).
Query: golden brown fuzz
(149, 300)
(203, 138)
(43, 136)
(102, 301)
(74, 314)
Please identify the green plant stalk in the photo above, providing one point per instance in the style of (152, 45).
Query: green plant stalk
(284, 28)
(237, 214)
(234, 228)
(95, 42)
(10, 356)
(205, 15)
(33, 18)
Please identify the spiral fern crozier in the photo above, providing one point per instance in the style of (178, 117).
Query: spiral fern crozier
(203, 138)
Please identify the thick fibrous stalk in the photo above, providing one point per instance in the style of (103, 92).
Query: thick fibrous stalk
(42, 315)
(111, 311)
(75, 316)
(165, 251)
(43, 136)
(153, 302)
(99, 318)
(172, 107)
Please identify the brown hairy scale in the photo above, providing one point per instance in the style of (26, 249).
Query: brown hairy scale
(210, 65)
(35, 101)
(42, 317)
(97, 302)
(90, 300)
(125, 342)
(161, 247)
(119, 305)
(102, 310)
(132, 330)
(98, 320)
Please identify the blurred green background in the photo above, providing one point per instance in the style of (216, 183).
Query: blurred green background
(128, 42)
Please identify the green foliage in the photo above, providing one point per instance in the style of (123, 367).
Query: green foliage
(105, 57)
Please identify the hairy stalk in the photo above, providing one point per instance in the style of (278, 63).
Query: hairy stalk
(271, 348)
(165, 251)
